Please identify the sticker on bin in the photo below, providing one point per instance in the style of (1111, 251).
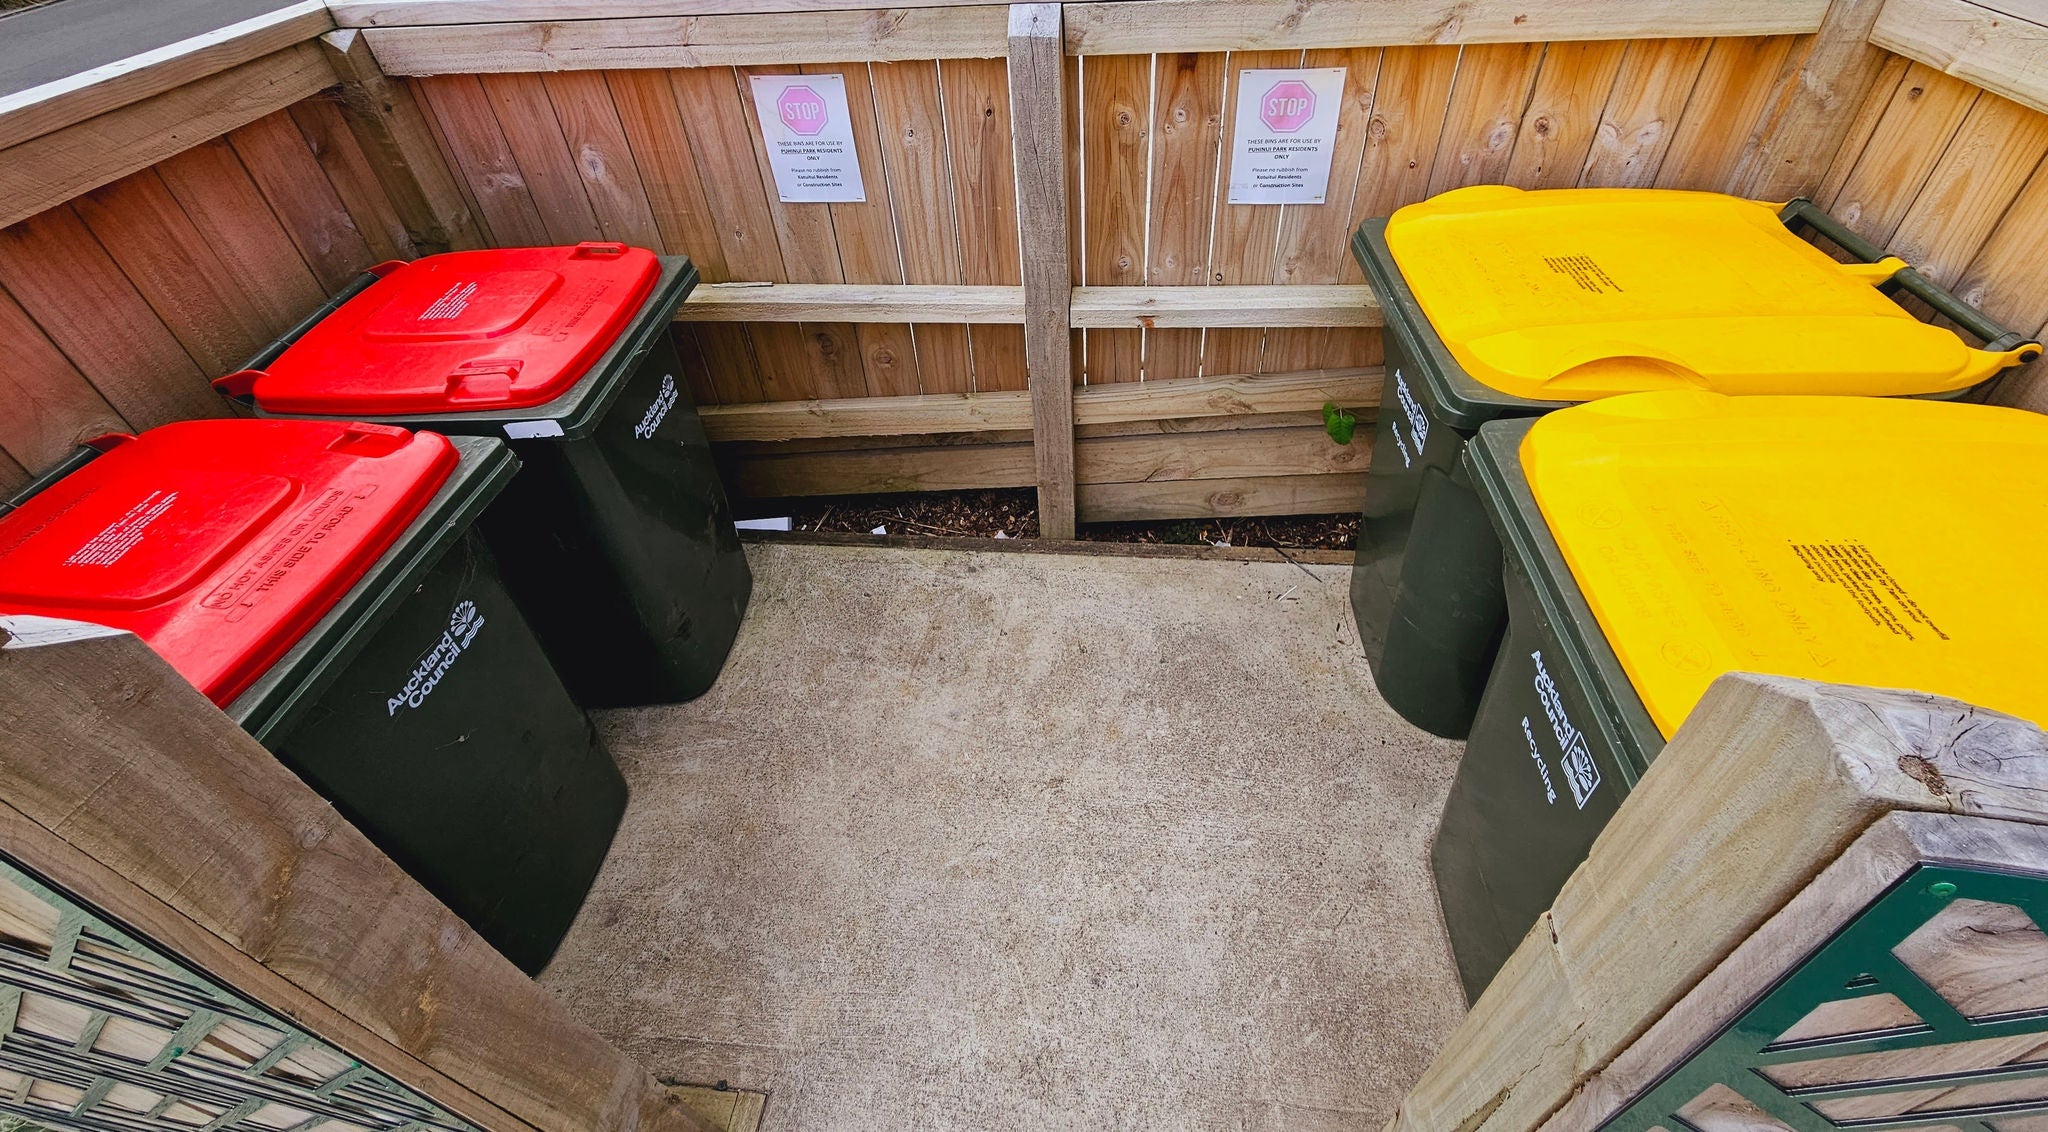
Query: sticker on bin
(664, 400)
(505, 328)
(464, 623)
(1856, 540)
(1576, 761)
(219, 542)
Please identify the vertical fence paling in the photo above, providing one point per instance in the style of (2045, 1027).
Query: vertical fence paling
(1039, 123)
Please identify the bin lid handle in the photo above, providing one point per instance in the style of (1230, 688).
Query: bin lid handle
(238, 386)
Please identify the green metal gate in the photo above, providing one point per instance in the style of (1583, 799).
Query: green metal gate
(1861, 961)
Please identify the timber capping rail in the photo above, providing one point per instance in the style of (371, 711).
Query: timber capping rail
(1783, 814)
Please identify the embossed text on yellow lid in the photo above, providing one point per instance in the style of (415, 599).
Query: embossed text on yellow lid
(1893, 543)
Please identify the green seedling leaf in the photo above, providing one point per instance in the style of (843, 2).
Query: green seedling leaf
(1338, 423)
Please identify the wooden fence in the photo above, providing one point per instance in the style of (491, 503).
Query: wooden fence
(900, 343)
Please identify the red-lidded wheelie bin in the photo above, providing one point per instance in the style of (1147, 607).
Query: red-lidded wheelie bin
(616, 536)
(321, 583)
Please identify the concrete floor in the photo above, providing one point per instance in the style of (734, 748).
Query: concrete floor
(1028, 841)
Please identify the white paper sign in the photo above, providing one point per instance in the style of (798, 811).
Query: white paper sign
(809, 133)
(1286, 130)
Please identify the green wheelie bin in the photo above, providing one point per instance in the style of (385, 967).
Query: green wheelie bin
(1657, 541)
(321, 582)
(616, 536)
(1503, 303)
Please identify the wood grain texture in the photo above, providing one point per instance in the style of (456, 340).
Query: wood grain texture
(868, 253)
(1986, 163)
(1122, 402)
(324, 127)
(874, 35)
(53, 105)
(399, 147)
(920, 178)
(50, 405)
(1039, 123)
(1307, 305)
(2001, 52)
(1119, 26)
(76, 293)
(1116, 112)
(1673, 883)
(1314, 245)
(2008, 277)
(1876, 860)
(812, 356)
(1245, 236)
(484, 159)
(398, 13)
(1726, 102)
(1166, 475)
(299, 192)
(602, 157)
(982, 151)
(222, 201)
(1488, 103)
(1909, 138)
(533, 136)
(54, 167)
(259, 880)
(1194, 499)
(1187, 138)
(852, 302)
(1650, 93)
(157, 247)
(1814, 98)
(1556, 133)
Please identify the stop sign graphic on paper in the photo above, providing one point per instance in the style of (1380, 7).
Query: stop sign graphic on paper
(1288, 106)
(802, 110)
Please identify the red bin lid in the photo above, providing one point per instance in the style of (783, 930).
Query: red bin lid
(507, 328)
(219, 543)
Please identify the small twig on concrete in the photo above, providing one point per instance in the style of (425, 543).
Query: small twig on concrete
(1282, 552)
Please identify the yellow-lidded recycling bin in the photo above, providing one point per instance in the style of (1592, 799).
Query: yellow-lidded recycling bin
(1657, 541)
(1505, 303)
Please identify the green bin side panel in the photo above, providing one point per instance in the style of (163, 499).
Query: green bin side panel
(451, 743)
(620, 546)
(1426, 588)
(1857, 962)
(1539, 780)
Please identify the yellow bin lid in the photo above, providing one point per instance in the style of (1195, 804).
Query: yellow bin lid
(1890, 543)
(1573, 294)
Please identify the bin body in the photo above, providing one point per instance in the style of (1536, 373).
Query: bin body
(1655, 542)
(1536, 322)
(1426, 585)
(322, 582)
(1551, 751)
(451, 743)
(616, 538)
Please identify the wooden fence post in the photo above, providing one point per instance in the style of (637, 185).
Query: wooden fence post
(392, 129)
(124, 788)
(1769, 782)
(1816, 96)
(1038, 120)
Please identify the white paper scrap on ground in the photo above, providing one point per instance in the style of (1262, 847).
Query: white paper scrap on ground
(879, 531)
(1286, 132)
(809, 136)
(781, 524)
